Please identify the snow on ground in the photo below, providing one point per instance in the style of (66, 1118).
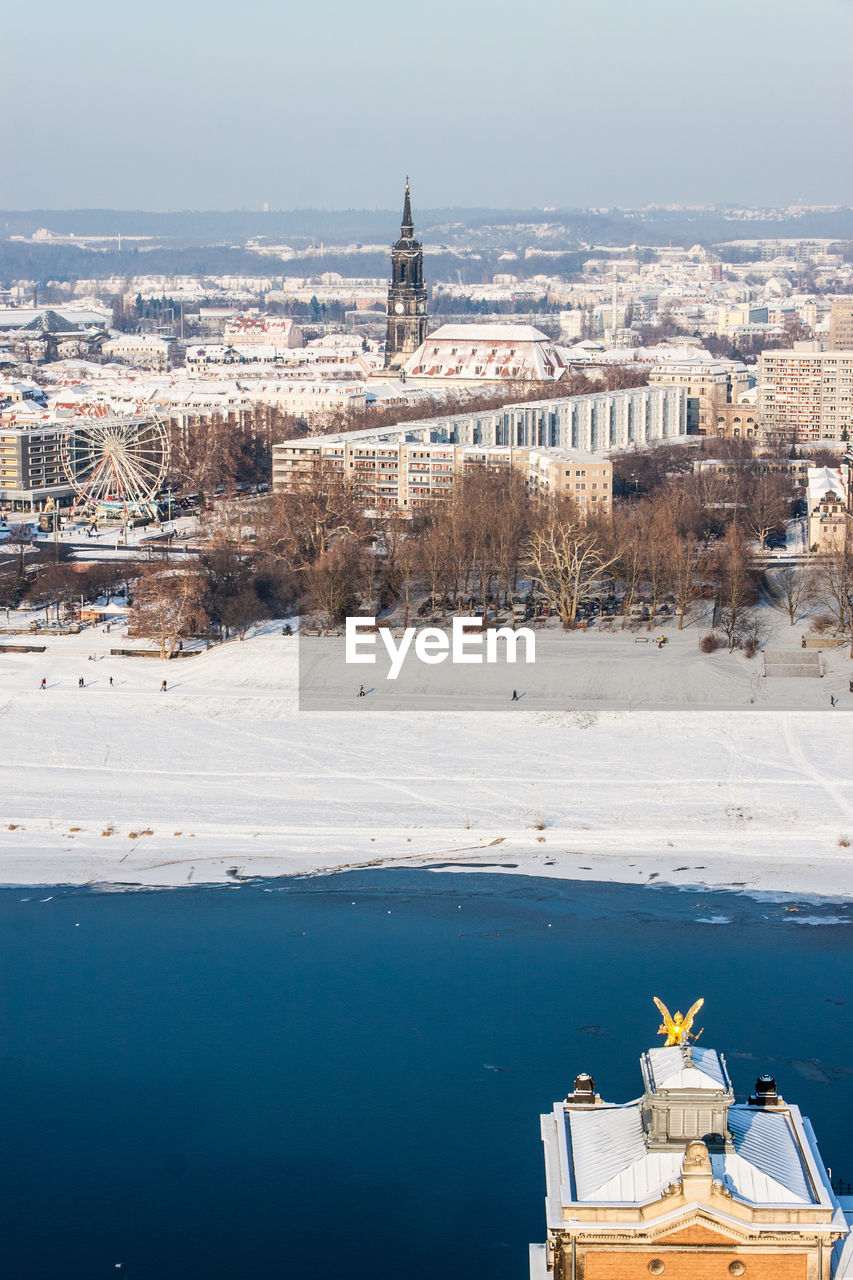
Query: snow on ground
(222, 776)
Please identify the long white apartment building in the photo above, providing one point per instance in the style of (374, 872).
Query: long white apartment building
(601, 422)
(806, 395)
(592, 426)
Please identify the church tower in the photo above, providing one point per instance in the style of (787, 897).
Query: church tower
(407, 296)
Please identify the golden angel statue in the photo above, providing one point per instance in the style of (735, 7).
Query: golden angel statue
(677, 1028)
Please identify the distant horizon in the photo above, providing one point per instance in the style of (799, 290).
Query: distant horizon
(299, 106)
(660, 206)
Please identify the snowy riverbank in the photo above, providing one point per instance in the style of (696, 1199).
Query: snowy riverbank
(223, 777)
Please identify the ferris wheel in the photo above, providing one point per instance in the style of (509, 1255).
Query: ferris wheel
(119, 460)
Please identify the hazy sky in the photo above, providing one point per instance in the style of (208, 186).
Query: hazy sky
(184, 104)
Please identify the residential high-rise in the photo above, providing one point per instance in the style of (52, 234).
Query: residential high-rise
(841, 324)
(407, 296)
(806, 395)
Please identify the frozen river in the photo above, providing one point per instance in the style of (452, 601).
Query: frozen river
(345, 1074)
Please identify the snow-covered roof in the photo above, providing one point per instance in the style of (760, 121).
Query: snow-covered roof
(610, 1163)
(259, 324)
(703, 1069)
(824, 481)
(486, 352)
(489, 333)
(72, 316)
(137, 341)
(49, 322)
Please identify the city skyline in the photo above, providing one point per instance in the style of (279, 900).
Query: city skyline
(330, 108)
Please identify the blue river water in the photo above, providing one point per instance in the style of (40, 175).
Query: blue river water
(343, 1075)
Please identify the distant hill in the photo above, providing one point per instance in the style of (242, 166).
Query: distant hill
(213, 243)
(616, 226)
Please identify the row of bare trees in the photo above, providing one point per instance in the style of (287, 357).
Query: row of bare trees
(316, 550)
(489, 541)
(493, 541)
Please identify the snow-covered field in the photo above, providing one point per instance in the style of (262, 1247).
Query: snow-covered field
(223, 776)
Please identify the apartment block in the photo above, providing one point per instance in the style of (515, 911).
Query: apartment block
(841, 324)
(806, 395)
(31, 469)
(409, 474)
(709, 385)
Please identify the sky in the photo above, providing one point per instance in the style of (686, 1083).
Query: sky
(486, 103)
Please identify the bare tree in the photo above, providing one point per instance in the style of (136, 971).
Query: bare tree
(301, 524)
(689, 561)
(335, 578)
(660, 546)
(626, 548)
(168, 604)
(209, 453)
(509, 524)
(768, 504)
(398, 542)
(797, 588)
(55, 587)
(436, 559)
(21, 538)
(736, 591)
(835, 590)
(569, 558)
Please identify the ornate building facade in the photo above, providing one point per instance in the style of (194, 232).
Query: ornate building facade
(407, 296)
(687, 1184)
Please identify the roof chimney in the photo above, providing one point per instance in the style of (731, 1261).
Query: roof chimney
(584, 1091)
(765, 1092)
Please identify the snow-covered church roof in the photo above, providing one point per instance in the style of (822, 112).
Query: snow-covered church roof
(487, 352)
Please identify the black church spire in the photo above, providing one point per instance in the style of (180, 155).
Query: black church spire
(407, 226)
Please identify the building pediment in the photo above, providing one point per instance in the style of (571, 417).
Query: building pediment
(698, 1229)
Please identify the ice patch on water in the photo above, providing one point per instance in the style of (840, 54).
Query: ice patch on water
(819, 920)
(713, 919)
